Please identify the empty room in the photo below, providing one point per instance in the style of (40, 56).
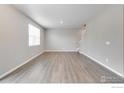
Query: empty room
(61, 43)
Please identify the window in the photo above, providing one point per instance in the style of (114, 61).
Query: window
(34, 35)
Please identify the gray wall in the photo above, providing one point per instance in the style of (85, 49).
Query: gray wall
(107, 26)
(14, 49)
(62, 40)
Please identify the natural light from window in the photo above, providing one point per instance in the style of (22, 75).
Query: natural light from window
(34, 35)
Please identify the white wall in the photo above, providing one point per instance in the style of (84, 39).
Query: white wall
(14, 49)
(62, 40)
(108, 26)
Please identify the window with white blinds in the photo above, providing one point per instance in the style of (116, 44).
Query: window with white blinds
(34, 35)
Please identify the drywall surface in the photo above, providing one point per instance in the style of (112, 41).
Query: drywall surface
(62, 39)
(104, 38)
(14, 49)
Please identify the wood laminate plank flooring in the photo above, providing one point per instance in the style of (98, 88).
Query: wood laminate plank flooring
(62, 67)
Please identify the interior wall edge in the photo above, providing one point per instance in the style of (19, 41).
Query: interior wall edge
(60, 50)
(28, 17)
(15, 68)
(97, 61)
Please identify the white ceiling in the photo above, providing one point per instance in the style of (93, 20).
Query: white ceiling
(60, 16)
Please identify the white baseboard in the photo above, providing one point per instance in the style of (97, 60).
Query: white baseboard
(95, 60)
(60, 50)
(11, 70)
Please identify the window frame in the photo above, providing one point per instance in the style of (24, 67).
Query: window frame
(33, 37)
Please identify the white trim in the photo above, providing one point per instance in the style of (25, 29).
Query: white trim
(95, 60)
(60, 50)
(11, 70)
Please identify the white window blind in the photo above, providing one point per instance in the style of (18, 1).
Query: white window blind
(34, 35)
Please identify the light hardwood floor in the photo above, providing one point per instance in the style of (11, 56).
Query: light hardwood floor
(62, 68)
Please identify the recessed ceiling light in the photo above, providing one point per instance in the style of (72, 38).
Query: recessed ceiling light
(61, 22)
(107, 42)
